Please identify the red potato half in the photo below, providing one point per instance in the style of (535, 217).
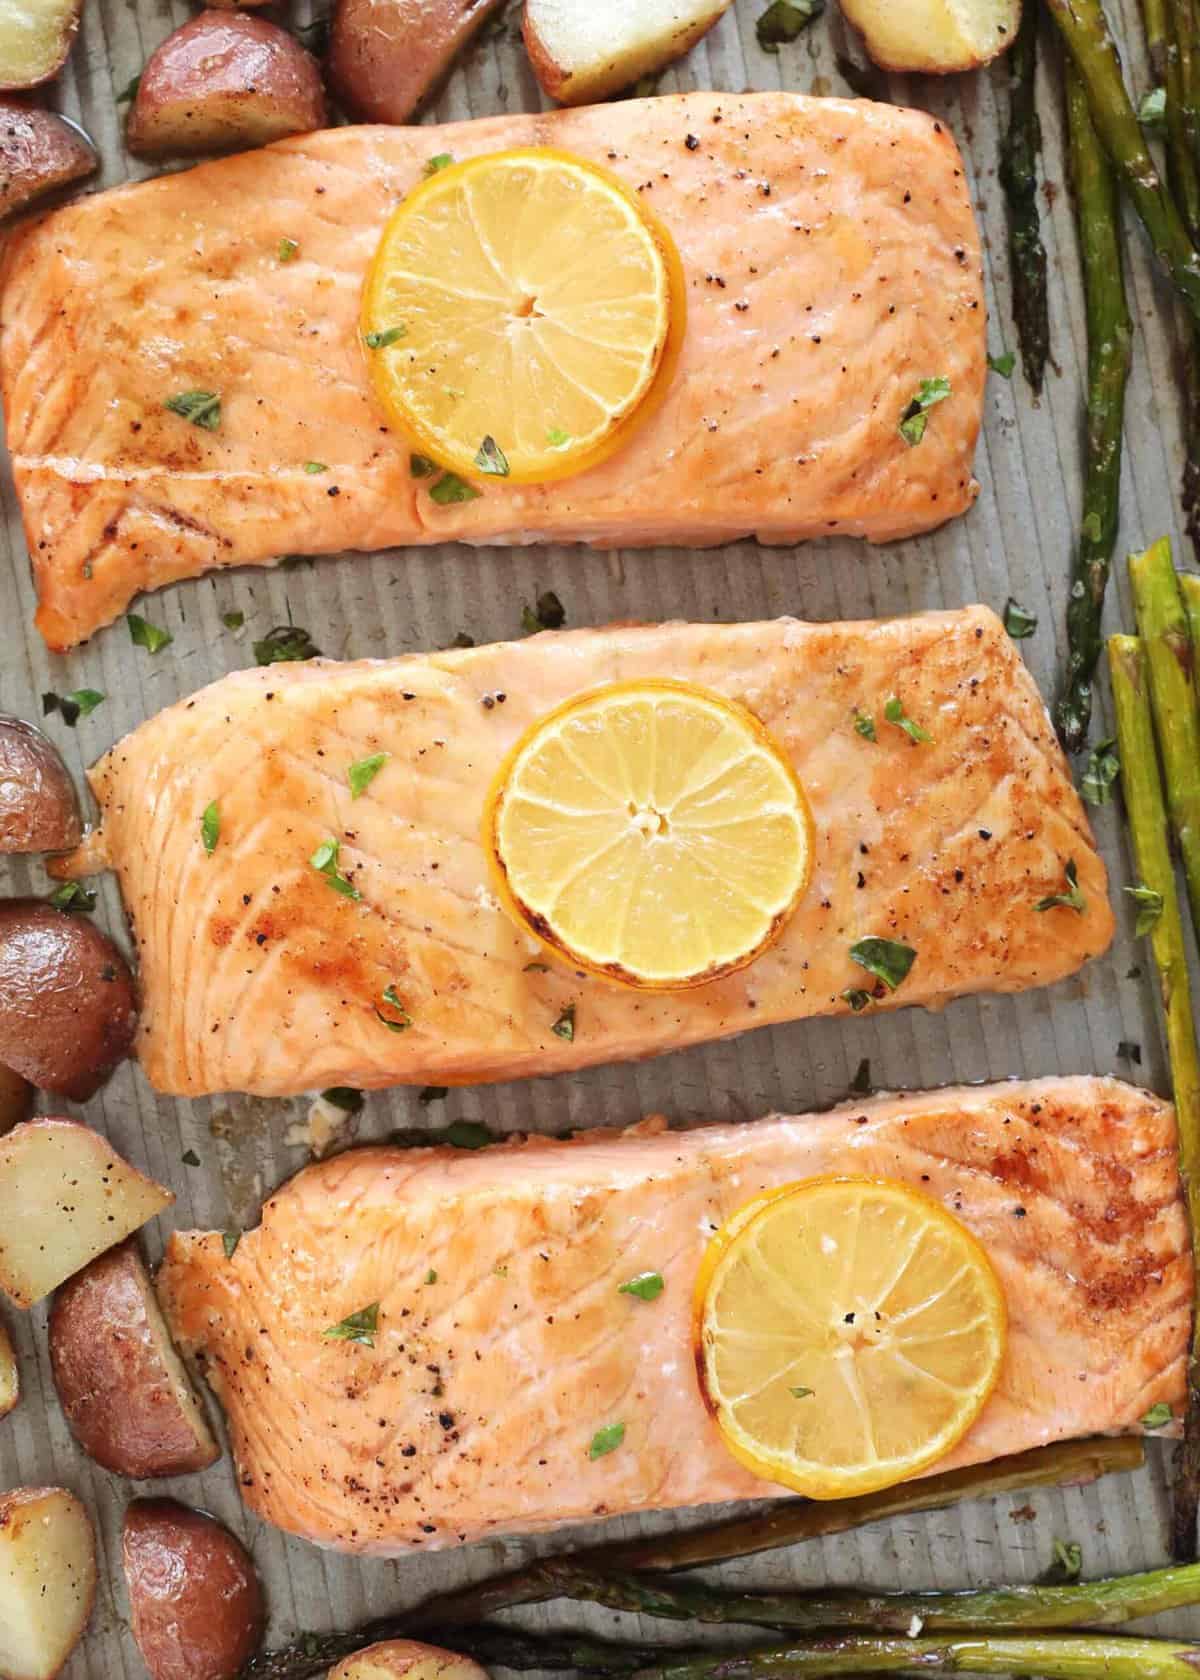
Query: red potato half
(225, 81)
(67, 1197)
(406, 1659)
(122, 1386)
(195, 1601)
(47, 1580)
(35, 38)
(39, 152)
(387, 56)
(10, 1376)
(68, 1009)
(16, 1099)
(38, 808)
(582, 52)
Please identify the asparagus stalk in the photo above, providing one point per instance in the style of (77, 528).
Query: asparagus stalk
(1154, 22)
(1018, 177)
(1103, 1603)
(1110, 337)
(1167, 640)
(1089, 41)
(1189, 588)
(503, 1647)
(1146, 814)
(1054, 1657)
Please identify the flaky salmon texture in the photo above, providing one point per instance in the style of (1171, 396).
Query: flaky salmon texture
(504, 1343)
(258, 976)
(831, 261)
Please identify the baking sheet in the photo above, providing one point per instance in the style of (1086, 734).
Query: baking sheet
(1016, 541)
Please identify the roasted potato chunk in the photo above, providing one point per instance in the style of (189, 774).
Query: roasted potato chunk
(16, 1099)
(195, 1602)
(934, 36)
(225, 81)
(35, 38)
(47, 1580)
(38, 808)
(581, 51)
(406, 1659)
(387, 56)
(10, 1375)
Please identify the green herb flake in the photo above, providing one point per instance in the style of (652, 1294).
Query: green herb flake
(391, 997)
(71, 707)
(431, 1275)
(1149, 907)
(1017, 621)
(1100, 772)
(800, 1393)
(606, 1440)
(74, 898)
(285, 644)
(864, 725)
(229, 1242)
(344, 1097)
(210, 827)
(1003, 364)
(431, 1094)
(287, 249)
(233, 620)
(547, 613)
(894, 713)
(315, 467)
(190, 1158)
(1158, 1416)
(362, 1326)
(434, 165)
(385, 337)
(1152, 111)
(1072, 899)
(1068, 1560)
(490, 458)
(557, 438)
(144, 634)
(420, 466)
(363, 772)
(564, 1027)
(856, 998)
(915, 418)
(325, 861)
(202, 408)
(887, 959)
(784, 20)
(1092, 528)
(450, 489)
(647, 1286)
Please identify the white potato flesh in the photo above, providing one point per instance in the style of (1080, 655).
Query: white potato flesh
(406, 1659)
(35, 36)
(10, 1380)
(935, 36)
(47, 1580)
(582, 51)
(67, 1196)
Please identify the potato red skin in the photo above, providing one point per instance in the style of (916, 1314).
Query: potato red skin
(387, 56)
(112, 1380)
(224, 81)
(68, 1007)
(195, 1600)
(16, 1099)
(38, 808)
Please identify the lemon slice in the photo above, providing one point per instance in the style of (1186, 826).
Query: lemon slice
(518, 312)
(848, 1333)
(651, 831)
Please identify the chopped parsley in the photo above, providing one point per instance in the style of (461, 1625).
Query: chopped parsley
(647, 1286)
(431, 1276)
(344, 1097)
(71, 707)
(420, 466)
(210, 827)
(434, 165)
(363, 772)
(401, 1019)
(1149, 907)
(800, 1393)
(385, 336)
(144, 634)
(887, 959)
(864, 725)
(288, 249)
(314, 467)
(325, 861)
(74, 898)
(202, 408)
(1003, 364)
(1068, 1560)
(449, 489)
(894, 713)
(547, 613)
(233, 620)
(916, 416)
(1017, 621)
(1157, 1416)
(856, 998)
(784, 20)
(564, 1027)
(361, 1326)
(229, 1242)
(1100, 772)
(606, 1440)
(490, 458)
(284, 644)
(557, 438)
(190, 1158)
(1072, 899)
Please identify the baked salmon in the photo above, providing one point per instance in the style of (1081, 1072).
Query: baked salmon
(503, 1343)
(257, 977)
(831, 262)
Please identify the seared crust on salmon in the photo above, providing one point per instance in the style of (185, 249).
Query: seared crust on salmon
(257, 975)
(503, 1343)
(831, 262)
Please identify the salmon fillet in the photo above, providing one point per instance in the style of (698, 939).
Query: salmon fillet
(257, 977)
(831, 261)
(504, 1345)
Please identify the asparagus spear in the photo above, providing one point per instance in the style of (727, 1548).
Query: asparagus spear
(1110, 336)
(1018, 177)
(1147, 817)
(1154, 22)
(1189, 588)
(1163, 624)
(1103, 1603)
(1085, 31)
